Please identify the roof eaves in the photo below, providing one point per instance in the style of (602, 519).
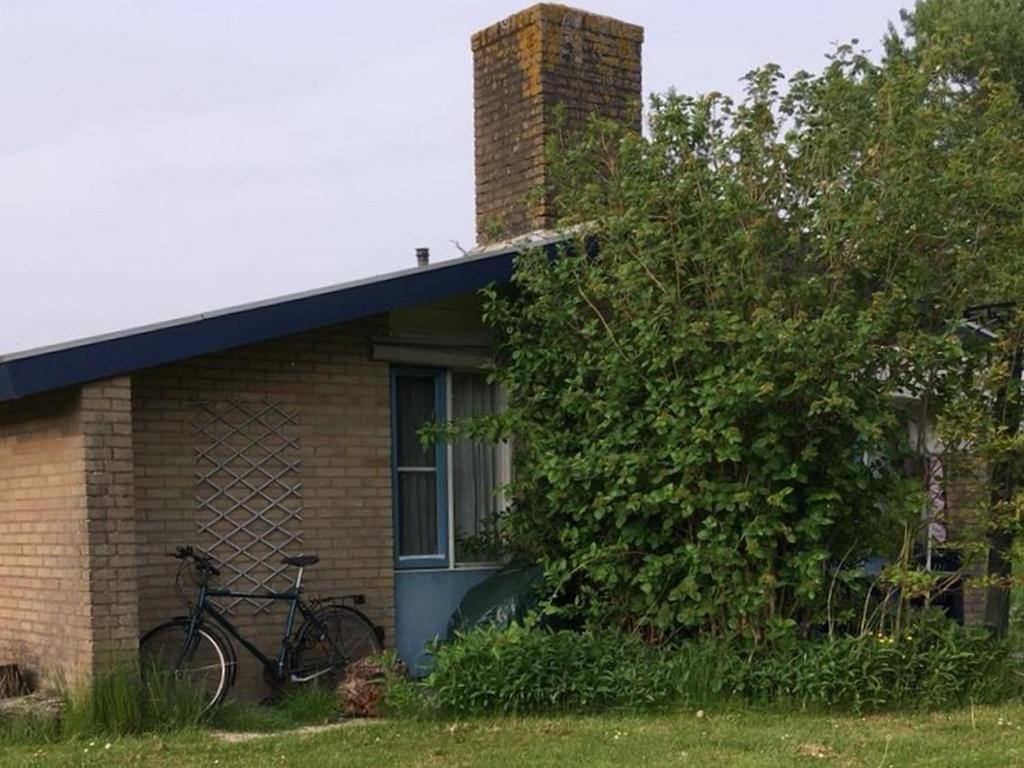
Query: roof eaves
(6, 385)
(98, 357)
(262, 303)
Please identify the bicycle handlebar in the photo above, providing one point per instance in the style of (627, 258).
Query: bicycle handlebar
(202, 561)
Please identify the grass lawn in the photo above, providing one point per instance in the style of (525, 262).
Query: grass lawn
(988, 736)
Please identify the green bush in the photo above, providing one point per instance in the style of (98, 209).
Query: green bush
(529, 670)
(936, 665)
(409, 698)
(703, 409)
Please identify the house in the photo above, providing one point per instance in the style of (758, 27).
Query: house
(288, 426)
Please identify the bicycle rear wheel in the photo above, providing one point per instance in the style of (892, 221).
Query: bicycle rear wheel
(204, 670)
(333, 638)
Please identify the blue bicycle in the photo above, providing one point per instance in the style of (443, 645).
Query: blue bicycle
(197, 648)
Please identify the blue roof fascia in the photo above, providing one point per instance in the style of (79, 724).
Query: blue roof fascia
(6, 387)
(32, 373)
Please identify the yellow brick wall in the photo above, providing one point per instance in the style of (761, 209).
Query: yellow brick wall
(105, 414)
(67, 598)
(341, 399)
(44, 607)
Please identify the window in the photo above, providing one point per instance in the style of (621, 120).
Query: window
(447, 496)
(419, 470)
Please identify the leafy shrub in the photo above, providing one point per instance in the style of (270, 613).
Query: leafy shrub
(405, 696)
(936, 665)
(687, 403)
(529, 670)
(408, 698)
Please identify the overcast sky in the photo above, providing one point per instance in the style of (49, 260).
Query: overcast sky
(158, 159)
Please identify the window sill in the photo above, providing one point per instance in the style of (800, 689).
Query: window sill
(463, 568)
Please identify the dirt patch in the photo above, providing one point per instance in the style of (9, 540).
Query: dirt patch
(38, 704)
(235, 737)
(819, 751)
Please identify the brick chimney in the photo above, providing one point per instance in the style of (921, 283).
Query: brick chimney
(522, 68)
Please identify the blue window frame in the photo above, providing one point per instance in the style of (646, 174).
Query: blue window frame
(419, 473)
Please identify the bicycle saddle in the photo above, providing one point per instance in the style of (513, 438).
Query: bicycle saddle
(301, 561)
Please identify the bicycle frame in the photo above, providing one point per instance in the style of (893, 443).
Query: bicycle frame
(276, 665)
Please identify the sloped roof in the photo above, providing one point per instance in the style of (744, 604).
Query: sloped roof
(99, 357)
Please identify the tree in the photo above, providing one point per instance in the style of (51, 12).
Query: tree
(693, 405)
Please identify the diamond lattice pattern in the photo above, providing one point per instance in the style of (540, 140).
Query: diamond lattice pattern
(248, 493)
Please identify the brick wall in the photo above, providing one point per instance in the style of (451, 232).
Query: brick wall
(67, 601)
(523, 67)
(44, 607)
(341, 400)
(966, 501)
(105, 413)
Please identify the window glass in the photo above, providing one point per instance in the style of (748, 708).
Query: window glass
(417, 513)
(476, 473)
(414, 401)
(417, 477)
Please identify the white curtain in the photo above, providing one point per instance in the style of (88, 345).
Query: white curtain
(475, 469)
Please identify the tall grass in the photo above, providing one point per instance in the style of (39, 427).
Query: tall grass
(121, 701)
(20, 729)
(297, 706)
(310, 704)
(116, 702)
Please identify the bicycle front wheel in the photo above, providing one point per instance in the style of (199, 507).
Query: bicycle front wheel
(202, 670)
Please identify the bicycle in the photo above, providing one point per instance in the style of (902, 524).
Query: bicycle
(331, 636)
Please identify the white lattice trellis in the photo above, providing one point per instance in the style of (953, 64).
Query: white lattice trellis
(248, 492)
